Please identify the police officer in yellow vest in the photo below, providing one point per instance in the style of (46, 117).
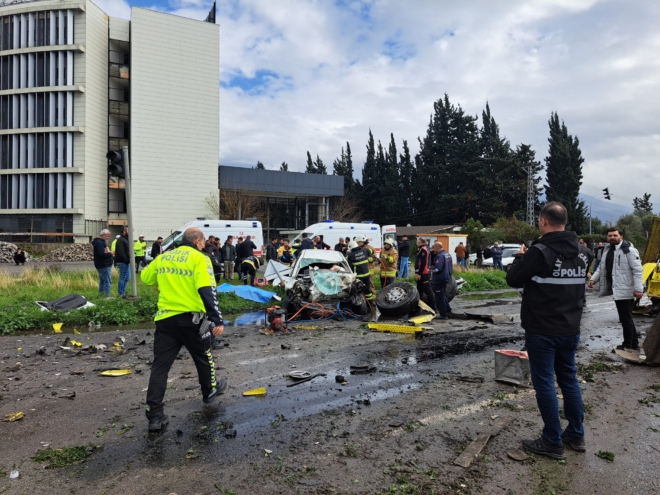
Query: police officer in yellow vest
(140, 248)
(187, 316)
(363, 242)
(388, 260)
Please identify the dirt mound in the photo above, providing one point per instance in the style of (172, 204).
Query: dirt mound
(72, 252)
(7, 250)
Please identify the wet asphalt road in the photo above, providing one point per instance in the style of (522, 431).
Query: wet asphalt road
(414, 384)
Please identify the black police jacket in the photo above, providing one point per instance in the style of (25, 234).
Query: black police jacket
(553, 273)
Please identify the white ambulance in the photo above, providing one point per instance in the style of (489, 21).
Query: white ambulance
(331, 231)
(221, 229)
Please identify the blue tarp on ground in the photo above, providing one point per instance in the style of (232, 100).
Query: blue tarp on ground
(248, 292)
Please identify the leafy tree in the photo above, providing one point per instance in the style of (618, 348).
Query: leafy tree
(343, 166)
(635, 227)
(643, 203)
(475, 232)
(310, 168)
(260, 166)
(515, 230)
(443, 181)
(284, 167)
(564, 173)
(405, 180)
(320, 166)
(369, 189)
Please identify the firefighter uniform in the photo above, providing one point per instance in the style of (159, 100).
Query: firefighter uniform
(373, 262)
(358, 257)
(140, 248)
(388, 259)
(187, 304)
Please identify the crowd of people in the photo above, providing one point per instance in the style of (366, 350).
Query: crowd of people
(551, 273)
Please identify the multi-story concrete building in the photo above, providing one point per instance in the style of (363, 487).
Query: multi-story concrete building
(76, 83)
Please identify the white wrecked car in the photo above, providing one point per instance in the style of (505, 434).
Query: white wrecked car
(325, 279)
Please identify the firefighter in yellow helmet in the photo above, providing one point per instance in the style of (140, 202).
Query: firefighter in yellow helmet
(388, 261)
(363, 242)
(358, 257)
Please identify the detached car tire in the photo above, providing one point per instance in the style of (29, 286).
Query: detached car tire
(398, 299)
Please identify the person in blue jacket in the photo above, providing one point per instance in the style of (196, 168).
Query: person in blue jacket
(441, 273)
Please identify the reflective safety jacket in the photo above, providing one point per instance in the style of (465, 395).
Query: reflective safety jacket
(140, 248)
(113, 245)
(388, 258)
(251, 261)
(185, 283)
(359, 259)
(373, 261)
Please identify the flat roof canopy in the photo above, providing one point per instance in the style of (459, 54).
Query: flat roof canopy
(276, 183)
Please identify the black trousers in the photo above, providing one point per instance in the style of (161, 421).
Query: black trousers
(424, 287)
(624, 307)
(441, 304)
(139, 260)
(248, 271)
(368, 292)
(171, 334)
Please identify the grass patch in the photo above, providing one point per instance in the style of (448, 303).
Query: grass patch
(19, 292)
(66, 456)
(604, 454)
(483, 280)
(596, 367)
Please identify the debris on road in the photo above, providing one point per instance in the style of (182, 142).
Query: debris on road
(361, 369)
(469, 454)
(57, 327)
(66, 456)
(256, 391)
(115, 372)
(14, 475)
(392, 327)
(470, 379)
(604, 454)
(298, 382)
(517, 455)
(512, 367)
(10, 417)
(71, 396)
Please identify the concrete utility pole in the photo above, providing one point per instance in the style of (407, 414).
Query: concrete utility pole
(531, 197)
(129, 217)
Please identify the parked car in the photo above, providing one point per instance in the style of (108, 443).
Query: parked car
(472, 259)
(508, 254)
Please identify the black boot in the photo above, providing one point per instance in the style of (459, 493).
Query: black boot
(540, 447)
(218, 390)
(157, 419)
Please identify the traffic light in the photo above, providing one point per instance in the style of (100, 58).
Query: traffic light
(606, 193)
(116, 163)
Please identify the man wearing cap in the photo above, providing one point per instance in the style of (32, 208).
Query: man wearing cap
(140, 248)
(188, 315)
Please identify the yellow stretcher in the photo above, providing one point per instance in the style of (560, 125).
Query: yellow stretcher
(391, 327)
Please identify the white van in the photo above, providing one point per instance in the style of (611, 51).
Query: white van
(221, 229)
(331, 231)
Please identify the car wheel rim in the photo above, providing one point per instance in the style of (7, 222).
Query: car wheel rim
(396, 295)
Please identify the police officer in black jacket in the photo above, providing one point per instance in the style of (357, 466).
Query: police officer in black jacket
(552, 274)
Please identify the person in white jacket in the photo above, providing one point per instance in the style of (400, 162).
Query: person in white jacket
(620, 274)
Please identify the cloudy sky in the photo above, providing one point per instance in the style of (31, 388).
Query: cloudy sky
(300, 75)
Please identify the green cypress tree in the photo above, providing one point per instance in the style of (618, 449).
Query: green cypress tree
(311, 168)
(284, 167)
(564, 173)
(369, 188)
(260, 166)
(405, 181)
(643, 203)
(320, 166)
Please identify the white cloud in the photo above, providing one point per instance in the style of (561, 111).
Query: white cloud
(350, 65)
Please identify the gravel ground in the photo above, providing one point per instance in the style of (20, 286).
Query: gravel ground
(321, 437)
